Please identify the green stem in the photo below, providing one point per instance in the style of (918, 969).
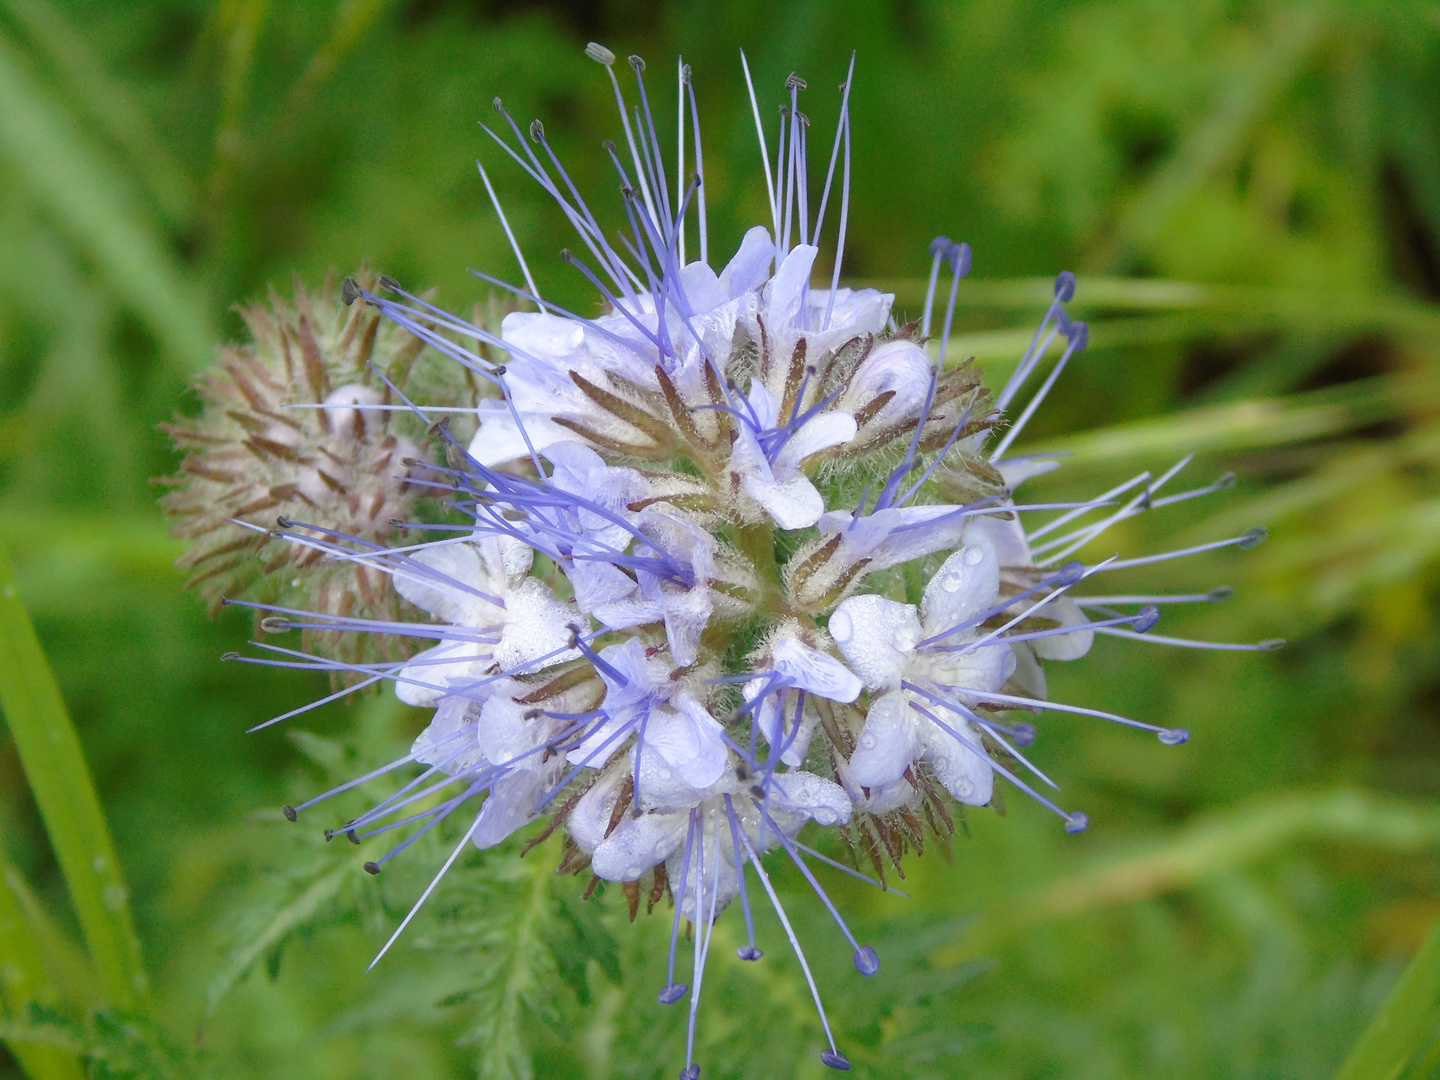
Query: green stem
(54, 764)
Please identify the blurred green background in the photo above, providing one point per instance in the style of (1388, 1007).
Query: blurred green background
(1250, 194)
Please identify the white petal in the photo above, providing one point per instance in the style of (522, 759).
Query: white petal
(793, 503)
(689, 739)
(590, 817)
(813, 796)
(542, 335)
(449, 741)
(876, 636)
(1064, 646)
(504, 735)
(427, 678)
(966, 584)
(512, 803)
(820, 432)
(814, 671)
(900, 366)
(537, 629)
(637, 844)
(444, 580)
(1006, 537)
(1016, 471)
(965, 774)
(988, 668)
(783, 294)
(751, 264)
(889, 743)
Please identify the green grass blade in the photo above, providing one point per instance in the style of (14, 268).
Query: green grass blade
(23, 979)
(88, 199)
(54, 764)
(1217, 844)
(1406, 1025)
(1248, 425)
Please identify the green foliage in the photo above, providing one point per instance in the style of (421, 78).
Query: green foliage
(1250, 193)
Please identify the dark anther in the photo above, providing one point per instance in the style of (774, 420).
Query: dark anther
(389, 284)
(498, 106)
(757, 791)
(397, 523)
(289, 812)
(230, 656)
(574, 629)
(835, 1059)
(537, 131)
(1224, 592)
(350, 835)
(685, 74)
(636, 63)
(608, 146)
(673, 993)
(372, 868)
(741, 772)
(349, 291)
(795, 82)
(499, 369)
(1253, 538)
(284, 523)
(690, 1072)
(274, 624)
(533, 714)
(441, 425)
(1226, 481)
(329, 835)
(565, 255)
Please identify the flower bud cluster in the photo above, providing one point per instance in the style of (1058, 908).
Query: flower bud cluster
(302, 424)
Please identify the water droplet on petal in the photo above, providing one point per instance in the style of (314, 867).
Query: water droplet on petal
(973, 555)
(867, 742)
(841, 628)
(964, 788)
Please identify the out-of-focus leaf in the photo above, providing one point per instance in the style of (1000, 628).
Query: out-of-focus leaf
(1406, 1025)
(294, 915)
(23, 979)
(107, 102)
(1223, 843)
(59, 778)
(87, 200)
(1246, 425)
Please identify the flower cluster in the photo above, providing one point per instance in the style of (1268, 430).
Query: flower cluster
(739, 554)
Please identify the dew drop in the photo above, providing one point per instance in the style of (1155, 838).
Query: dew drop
(950, 582)
(841, 628)
(867, 742)
(973, 556)
(964, 788)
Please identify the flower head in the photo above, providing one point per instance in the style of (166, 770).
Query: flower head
(722, 471)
